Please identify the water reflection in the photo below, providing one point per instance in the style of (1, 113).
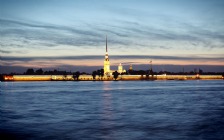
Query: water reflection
(107, 111)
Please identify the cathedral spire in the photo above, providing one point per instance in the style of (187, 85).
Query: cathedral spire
(106, 55)
(106, 43)
(106, 62)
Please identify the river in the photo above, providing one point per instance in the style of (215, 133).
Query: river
(112, 110)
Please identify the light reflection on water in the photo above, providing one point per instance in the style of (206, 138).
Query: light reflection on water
(112, 110)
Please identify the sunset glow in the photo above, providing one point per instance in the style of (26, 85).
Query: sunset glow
(67, 34)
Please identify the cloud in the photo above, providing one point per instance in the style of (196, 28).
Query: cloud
(51, 34)
(55, 35)
(121, 33)
(122, 57)
(163, 27)
(10, 51)
(3, 51)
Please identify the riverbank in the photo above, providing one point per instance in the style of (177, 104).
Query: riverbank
(108, 78)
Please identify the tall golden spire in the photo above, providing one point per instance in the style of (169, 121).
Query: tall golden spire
(107, 62)
(106, 55)
(106, 43)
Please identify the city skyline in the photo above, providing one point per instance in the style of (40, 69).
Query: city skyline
(71, 34)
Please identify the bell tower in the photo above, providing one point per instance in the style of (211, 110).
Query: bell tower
(106, 62)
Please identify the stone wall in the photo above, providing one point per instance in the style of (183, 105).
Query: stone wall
(109, 78)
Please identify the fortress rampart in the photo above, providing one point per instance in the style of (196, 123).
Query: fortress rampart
(109, 78)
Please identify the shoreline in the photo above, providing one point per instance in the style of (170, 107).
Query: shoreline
(15, 78)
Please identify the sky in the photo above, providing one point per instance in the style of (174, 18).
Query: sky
(70, 34)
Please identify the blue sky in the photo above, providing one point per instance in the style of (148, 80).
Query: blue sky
(60, 33)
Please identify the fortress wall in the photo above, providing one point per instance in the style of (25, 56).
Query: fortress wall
(85, 77)
(62, 77)
(130, 77)
(97, 78)
(191, 77)
(32, 77)
(188, 77)
(109, 78)
(42, 77)
(176, 77)
(210, 77)
(160, 77)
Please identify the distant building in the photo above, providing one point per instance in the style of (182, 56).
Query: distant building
(120, 69)
(130, 68)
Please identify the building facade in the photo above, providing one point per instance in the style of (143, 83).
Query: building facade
(120, 69)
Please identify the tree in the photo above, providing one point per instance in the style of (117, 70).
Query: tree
(115, 74)
(200, 71)
(65, 76)
(55, 71)
(94, 73)
(73, 76)
(151, 72)
(76, 75)
(147, 76)
(102, 73)
(1, 77)
(39, 71)
(30, 71)
(98, 73)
